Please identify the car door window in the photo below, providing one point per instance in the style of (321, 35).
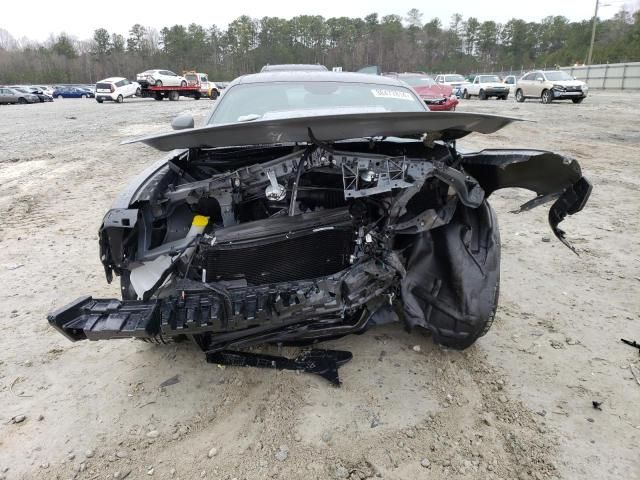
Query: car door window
(171, 74)
(476, 80)
(539, 77)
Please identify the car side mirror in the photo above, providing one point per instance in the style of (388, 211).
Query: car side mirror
(182, 122)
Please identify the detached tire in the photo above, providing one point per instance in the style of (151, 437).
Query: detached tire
(174, 96)
(452, 283)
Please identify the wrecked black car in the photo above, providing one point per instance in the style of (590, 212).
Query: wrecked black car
(308, 207)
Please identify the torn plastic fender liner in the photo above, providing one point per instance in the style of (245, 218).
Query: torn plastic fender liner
(452, 278)
(549, 175)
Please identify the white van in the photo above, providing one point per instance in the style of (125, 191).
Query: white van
(116, 89)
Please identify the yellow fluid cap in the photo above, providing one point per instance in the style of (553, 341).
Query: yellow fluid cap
(200, 221)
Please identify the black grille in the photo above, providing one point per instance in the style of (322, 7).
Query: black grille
(301, 256)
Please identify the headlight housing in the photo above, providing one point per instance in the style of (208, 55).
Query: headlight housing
(560, 88)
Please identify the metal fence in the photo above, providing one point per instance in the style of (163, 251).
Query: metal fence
(610, 76)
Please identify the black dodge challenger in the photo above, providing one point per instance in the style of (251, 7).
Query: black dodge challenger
(310, 206)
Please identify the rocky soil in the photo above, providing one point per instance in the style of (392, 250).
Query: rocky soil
(518, 404)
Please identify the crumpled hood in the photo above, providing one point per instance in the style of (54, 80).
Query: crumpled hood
(443, 125)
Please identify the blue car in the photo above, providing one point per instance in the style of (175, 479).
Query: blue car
(72, 92)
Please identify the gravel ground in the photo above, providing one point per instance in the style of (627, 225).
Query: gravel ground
(518, 404)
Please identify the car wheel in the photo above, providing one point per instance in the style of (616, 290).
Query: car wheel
(174, 96)
(519, 96)
(158, 83)
(482, 95)
(466, 95)
(458, 306)
(22, 101)
(214, 94)
(120, 99)
(138, 92)
(99, 100)
(547, 96)
(577, 100)
(503, 97)
(159, 97)
(183, 84)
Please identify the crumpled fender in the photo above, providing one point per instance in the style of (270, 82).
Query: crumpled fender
(452, 279)
(549, 175)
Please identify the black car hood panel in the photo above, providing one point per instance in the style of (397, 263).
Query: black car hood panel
(444, 125)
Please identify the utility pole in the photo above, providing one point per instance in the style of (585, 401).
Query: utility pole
(593, 32)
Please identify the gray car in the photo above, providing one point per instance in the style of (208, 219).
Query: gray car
(309, 206)
(11, 95)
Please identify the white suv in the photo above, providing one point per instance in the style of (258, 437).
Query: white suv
(161, 78)
(116, 89)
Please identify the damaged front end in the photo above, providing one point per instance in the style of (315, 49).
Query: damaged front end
(302, 241)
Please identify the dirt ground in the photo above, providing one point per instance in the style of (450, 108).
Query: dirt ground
(517, 405)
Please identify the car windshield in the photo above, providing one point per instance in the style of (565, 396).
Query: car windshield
(454, 78)
(558, 76)
(23, 90)
(418, 81)
(489, 78)
(255, 101)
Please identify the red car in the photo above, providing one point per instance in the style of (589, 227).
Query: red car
(438, 97)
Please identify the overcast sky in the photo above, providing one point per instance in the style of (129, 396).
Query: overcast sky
(39, 18)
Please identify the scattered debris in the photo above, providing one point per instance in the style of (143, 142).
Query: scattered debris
(425, 463)
(170, 381)
(282, 454)
(416, 348)
(153, 434)
(546, 239)
(21, 394)
(597, 405)
(631, 343)
(213, 452)
(326, 436)
(18, 419)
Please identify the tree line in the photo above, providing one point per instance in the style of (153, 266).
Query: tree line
(393, 42)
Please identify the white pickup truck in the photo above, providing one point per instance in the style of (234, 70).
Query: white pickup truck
(486, 86)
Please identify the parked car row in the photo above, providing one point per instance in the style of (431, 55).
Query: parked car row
(23, 94)
(545, 85)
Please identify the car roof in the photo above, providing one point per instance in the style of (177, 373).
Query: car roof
(112, 79)
(317, 76)
(316, 67)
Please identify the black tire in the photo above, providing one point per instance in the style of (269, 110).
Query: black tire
(174, 95)
(159, 97)
(183, 83)
(99, 100)
(466, 95)
(520, 98)
(546, 97)
(503, 97)
(214, 94)
(138, 92)
(120, 99)
(482, 95)
(577, 100)
(197, 96)
(158, 83)
(458, 305)
(22, 101)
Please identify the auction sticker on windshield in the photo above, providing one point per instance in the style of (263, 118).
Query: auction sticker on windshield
(386, 93)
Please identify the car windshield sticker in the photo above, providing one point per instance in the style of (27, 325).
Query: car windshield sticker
(386, 93)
